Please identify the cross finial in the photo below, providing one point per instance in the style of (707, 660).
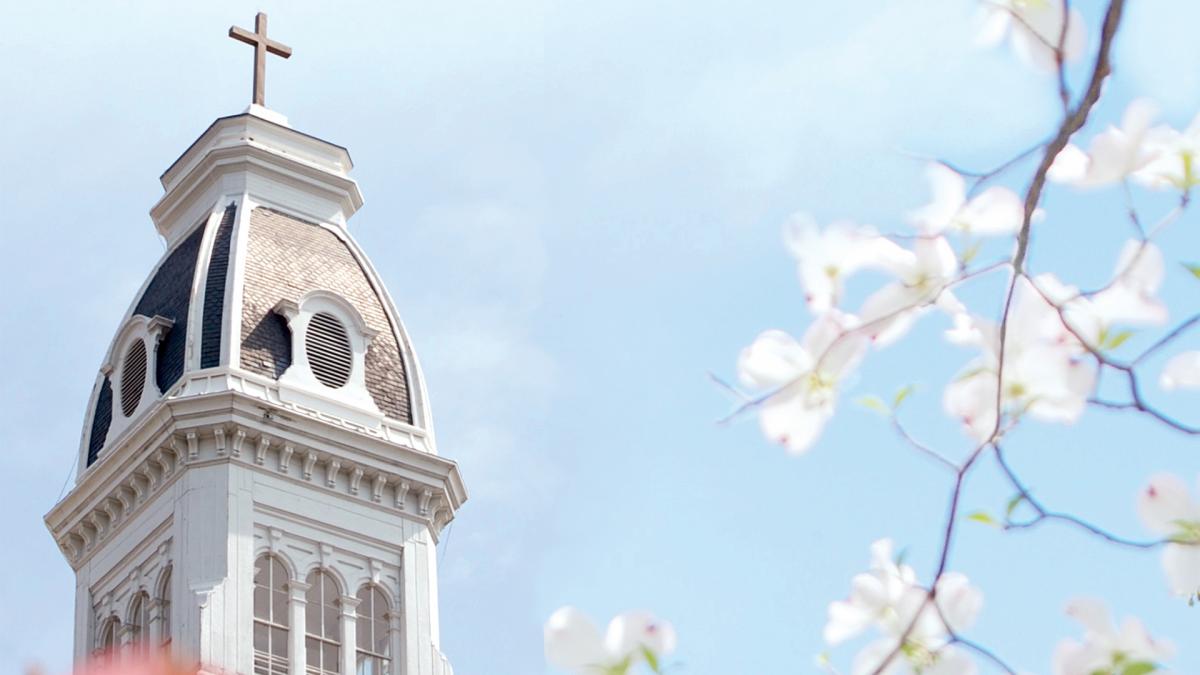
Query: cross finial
(262, 44)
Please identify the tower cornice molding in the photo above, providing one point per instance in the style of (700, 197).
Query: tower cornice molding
(196, 432)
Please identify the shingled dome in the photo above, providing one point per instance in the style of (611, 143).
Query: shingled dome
(279, 302)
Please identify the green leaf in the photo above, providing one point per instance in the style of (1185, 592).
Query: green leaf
(1012, 505)
(874, 403)
(904, 393)
(1114, 341)
(1139, 668)
(1189, 532)
(651, 659)
(983, 517)
(970, 252)
(1193, 268)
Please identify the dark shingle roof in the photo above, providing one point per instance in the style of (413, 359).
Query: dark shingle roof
(169, 294)
(101, 418)
(214, 293)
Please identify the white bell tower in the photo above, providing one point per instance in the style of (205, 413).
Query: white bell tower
(259, 489)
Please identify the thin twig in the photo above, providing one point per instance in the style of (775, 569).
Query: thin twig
(1060, 57)
(1043, 514)
(1166, 339)
(921, 447)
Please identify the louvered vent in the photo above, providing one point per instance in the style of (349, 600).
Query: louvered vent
(133, 377)
(328, 348)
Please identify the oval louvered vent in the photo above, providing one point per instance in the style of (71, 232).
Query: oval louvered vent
(133, 377)
(328, 348)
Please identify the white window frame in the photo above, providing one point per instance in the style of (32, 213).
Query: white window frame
(150, 331)
(299, 385)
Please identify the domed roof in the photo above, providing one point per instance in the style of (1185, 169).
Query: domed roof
(264, 297)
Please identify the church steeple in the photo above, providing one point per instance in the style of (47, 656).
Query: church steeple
(258, 450)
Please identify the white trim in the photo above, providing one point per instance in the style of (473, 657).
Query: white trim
(195, 327)
(149, 331)
(231, 348)
(298, 384)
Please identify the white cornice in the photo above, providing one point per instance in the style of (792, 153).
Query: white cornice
(221, 428)
(311, 172)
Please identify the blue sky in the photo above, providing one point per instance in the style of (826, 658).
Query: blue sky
(577, 208)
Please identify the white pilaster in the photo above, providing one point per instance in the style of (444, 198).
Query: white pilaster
(297, 657)
(348, 603)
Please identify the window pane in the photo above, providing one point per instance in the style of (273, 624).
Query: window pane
(279, 575)
(261, 637)
(383, 643)
(312, 618)
(331, 658)
(333, 625)
(363, 632)
(312, 649)
(260, 571)
(279, 642)
(381, 607)
(262, 607)
(279, 608)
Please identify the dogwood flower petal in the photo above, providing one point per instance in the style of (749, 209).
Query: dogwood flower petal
(1129, 299)
(1104, 648)
(827, 256)
(1034, 27)
(1165, 502)
(1181, 563)
(1175, 154)
(773, 359)
(804, 376)
(1166, 506)
(958, 601)
(1114, 154)
(997, 210)
(572, 641)
(1181, 372)
(631, 632)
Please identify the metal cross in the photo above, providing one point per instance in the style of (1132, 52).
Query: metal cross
(262, 44)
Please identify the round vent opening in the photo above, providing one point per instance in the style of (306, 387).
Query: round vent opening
(328, 348)
(133, 377)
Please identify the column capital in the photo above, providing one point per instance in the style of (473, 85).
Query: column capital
(349, 604)
(297, 590)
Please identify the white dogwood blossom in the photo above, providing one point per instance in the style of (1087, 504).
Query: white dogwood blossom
(827, 256)
(1044, 375)
(1114, 154)
(1129, 299)
(1105, 650)
(1167, 508)
(800, 379)
(1181, 372)
(995, 211)
(922, 279)
(886, 597)
(573, 643)
(1034, 28)
(1174, 163)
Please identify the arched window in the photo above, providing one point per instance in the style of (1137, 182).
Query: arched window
(323, 625)
(270, 617)
(109, 638)
(164, 609)
(138, 621)
(374, 640)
